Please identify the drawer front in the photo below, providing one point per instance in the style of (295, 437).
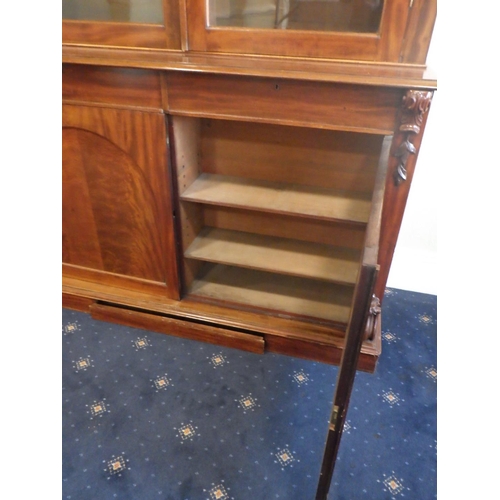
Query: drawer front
(313, 104)
(125, 87)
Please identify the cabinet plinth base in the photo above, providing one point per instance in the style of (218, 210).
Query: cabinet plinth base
(116, 306)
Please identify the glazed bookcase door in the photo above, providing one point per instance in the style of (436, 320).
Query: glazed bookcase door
(127, 23)
(333, 29)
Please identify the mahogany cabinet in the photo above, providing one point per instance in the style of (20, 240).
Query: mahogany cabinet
(236, 172)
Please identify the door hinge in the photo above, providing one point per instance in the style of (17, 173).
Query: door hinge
(335, 416)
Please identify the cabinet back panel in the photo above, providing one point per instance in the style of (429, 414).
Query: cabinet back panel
(293, 155)
(314, 230)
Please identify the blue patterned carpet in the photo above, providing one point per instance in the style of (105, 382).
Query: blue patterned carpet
(147, 416)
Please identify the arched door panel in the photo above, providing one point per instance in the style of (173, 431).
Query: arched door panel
(117, 215)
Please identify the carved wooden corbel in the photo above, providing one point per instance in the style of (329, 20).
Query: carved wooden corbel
(375, 310)
(414, 106)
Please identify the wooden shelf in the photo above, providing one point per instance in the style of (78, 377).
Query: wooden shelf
(282, 294)
(279, 197)
(280, 255)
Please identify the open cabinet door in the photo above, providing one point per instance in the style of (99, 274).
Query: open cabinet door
(360, 313)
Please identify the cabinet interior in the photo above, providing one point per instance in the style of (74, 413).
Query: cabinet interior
(273, 218)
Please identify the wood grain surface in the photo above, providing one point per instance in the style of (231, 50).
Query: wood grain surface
(116, 202)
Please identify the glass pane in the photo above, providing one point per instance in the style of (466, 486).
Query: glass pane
(134, 11)
(360, 16)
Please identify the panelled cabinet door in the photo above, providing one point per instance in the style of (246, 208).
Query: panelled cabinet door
(368, 30)
(117, 214)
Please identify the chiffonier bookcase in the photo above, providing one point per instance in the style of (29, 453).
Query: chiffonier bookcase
(236, 171)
